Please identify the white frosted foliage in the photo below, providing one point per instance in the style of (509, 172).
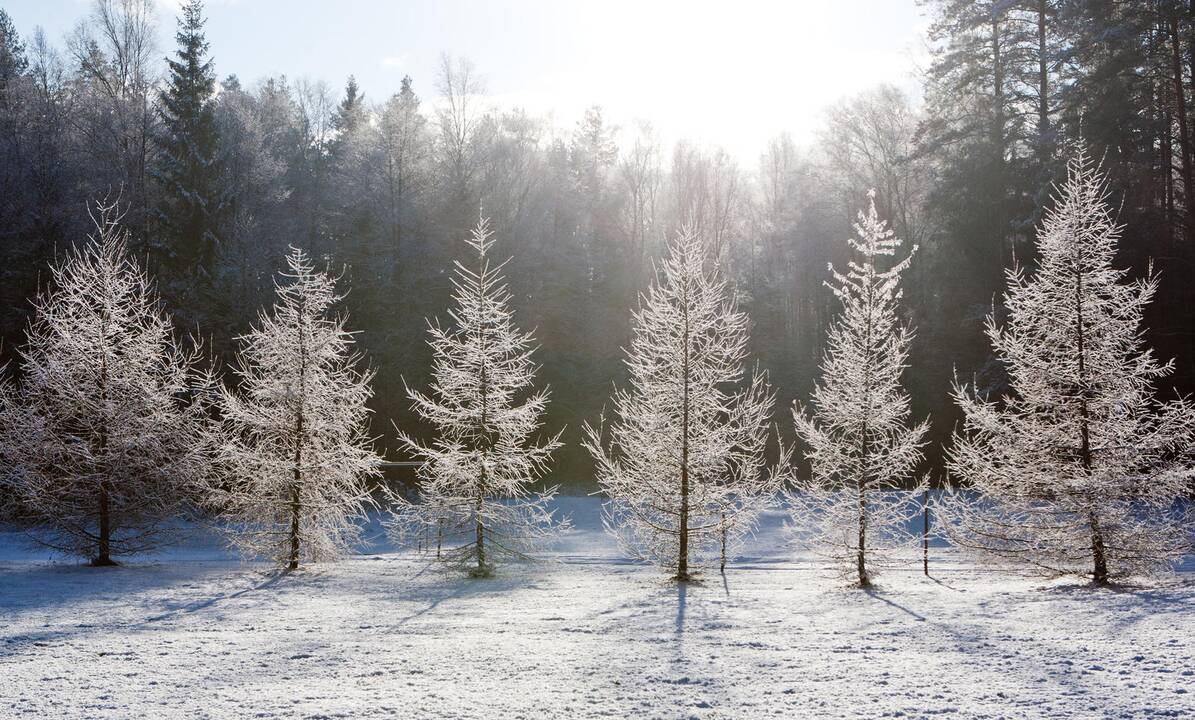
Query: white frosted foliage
(861, 447)
(477, 500)
(683, 464)
(105, 440)
(297, 450)
(1078, 468)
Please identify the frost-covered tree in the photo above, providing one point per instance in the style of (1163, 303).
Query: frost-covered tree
(106, 438)
(861, 446)
(476, 483)
(296, 445)
(684, 465)
(1078, 469)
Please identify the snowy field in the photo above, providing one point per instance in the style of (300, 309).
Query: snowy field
(196, 633)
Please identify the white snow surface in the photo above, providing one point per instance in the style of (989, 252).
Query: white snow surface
(196, 633)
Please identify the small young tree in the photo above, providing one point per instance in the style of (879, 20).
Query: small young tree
(105, 437)
(476, 482)
(861, 448)
(297, 446)
(684, 465)
(1079, 469)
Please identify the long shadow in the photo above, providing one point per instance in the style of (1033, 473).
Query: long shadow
(196, 606)
(446, 585)
(876, 595)
(682, 592)
(433, 604)
(948, 586)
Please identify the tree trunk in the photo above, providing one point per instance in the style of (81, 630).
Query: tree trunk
(1184, 141)
(925, 533)
(722, 566)
(1043, 87)
(1098, 553)
(682, 560)
(295, 506)
(104, 555)
(682, 549)
(860, 553)
(104, 545)
(485, 440)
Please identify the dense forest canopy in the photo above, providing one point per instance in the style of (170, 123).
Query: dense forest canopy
(216, 178)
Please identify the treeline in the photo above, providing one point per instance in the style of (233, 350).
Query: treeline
(217, 178)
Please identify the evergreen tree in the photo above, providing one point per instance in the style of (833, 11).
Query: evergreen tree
(1079, 468)
(476, 483)
(861, 447)
(13, 61)
(192, 200)
(352, 113)
(684, 466)
(296, 436)
(103, 442)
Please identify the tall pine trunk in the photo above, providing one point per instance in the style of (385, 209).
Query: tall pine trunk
(1184, 140)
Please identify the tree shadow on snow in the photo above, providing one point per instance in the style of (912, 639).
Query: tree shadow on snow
(878, 594)
(270, 580)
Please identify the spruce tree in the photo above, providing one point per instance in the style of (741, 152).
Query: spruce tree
(188, 166)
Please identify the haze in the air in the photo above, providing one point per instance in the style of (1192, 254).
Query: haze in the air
(732, 76)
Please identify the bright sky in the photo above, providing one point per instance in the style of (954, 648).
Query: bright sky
(733, 73)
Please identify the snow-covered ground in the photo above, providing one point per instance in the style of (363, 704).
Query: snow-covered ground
(197, 633)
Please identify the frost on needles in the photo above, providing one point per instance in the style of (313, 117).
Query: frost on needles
(296, 446)
(1078, 469)
(855, 507)
(684, 461)
(106, 442)
(477, 500)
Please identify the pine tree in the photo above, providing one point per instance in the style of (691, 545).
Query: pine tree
(477, 478)
(13, 61)
(188, 163)
(683, 467)
(296, 435)
(861, 447)
(351, 113)
(1079, 467)
(106, 438)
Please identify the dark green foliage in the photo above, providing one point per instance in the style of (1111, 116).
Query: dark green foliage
(192, 202)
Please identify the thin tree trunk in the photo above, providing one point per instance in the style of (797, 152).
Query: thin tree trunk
(485, 440)
(104, 548)
(860, 553)
(722, 566)
(925, 533)
(1098, 552)
(295, 505)
(104, 556)
(1184, 141)
(1043, 87)
(682, 561)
